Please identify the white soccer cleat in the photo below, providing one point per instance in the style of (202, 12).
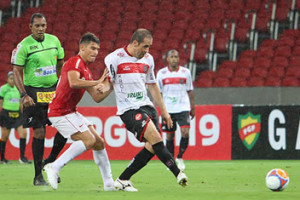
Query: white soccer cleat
(124, 185)
(52, 176)
(182, 179)
(180, 164)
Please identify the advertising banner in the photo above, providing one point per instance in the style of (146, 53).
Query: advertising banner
(210, 135)
(265, 132)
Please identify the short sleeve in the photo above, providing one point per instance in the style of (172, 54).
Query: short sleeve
(2, 92)
(19, 55)
(61, 52)
(150, 75)
(159, 80)
(189, 82)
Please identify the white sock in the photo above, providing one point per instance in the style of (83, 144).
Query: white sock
(102, 161)
(72, 152)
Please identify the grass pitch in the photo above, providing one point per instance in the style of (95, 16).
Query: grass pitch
(207, 180)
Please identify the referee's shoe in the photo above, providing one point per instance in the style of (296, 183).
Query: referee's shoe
(39, 181)
(24, 160)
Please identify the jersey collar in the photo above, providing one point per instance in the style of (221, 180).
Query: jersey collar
(125, 48)
(170, 70)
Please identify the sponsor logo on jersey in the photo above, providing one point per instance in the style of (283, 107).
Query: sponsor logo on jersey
(249, 126)
(120, 54)
(172, 99)
(14, 100)
(33, 47)
(136, 95)
(138, 116)
(44, 97)
(45, 71)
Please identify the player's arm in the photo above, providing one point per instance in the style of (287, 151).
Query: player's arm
(192, 102)
(155, 93)
(101, 92)
(76, 83)
(59, 65)
(26, 99)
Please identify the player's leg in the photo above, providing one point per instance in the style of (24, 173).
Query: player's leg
(4, 137)
(183, 119)
(38, 153)
(58, 144)
(22, 134)
(170, 142)
(102, 161)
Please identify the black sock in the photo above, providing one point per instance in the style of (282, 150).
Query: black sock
(184, 142)
(3, 145)
(170, 146)
(164, 156)
(38, 153)
(22, 147)
(138, 162)
(58, 144)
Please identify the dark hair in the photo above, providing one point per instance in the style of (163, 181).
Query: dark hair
(169, 53)
(36, 15)
(140, 34)
(89, 37)
(9, 74)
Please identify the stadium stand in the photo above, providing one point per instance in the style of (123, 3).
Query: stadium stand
(184, 21)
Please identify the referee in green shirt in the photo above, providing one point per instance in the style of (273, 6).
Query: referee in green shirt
(10, 117)
(38, 57)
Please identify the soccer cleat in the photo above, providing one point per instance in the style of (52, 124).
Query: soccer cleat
(45, 162)
(4, 161)
(124, 185)
(39, 181)
(52, 176)
(24, 160)
(182, 179)
(180, 164)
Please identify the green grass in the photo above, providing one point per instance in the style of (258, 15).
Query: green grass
(207, 180)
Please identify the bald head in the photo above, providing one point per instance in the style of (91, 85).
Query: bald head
(140, 34)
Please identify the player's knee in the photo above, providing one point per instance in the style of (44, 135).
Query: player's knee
(99, 144)
(39, 133)
(89, 142)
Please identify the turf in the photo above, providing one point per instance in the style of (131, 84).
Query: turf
(207, 180)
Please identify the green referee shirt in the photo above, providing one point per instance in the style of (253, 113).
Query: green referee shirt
(11, 97)
(39, 59)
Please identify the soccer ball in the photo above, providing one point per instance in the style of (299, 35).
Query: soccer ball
(277, 179)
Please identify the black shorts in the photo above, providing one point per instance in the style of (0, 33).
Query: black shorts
(136, 120)
(37, 116)
(10, 119)
(182, 118)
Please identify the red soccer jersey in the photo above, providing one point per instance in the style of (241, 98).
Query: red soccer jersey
(66, 98)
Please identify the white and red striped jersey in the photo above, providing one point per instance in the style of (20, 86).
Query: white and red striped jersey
(129, 76)
(174, 86)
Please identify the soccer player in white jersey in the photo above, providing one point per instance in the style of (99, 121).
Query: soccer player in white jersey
(131, 68)
(176, 86)
(75, 79)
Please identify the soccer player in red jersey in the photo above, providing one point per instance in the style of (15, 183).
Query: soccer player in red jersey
(75, 79)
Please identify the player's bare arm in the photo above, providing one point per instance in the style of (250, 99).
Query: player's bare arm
(26, 99)
(192, 101)
(155, 93)
(59, 65)
(77, 83)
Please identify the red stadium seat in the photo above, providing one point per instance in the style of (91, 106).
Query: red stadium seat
(277, 71)
(264, 62)
(293, 71)
(221, 82)
(283, 51)
(246, 62)
(225, 73)
(242, 72)
(255, 82)
(229, 64)
(280, 61)
(204, 82)
(207, 74)
(290, 81)
(265, 51)
(247, 53)
(272, 81)
(238, 82)
(295, 61)
(271, 43)
(259, 72)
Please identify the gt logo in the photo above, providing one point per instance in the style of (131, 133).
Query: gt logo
(138, 116)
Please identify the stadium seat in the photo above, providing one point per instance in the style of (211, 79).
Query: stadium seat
(259, 72)
(280, 61)
(290, 81)
(293, 71)
(272, 81)
(204, 82)
(283, 51)
(207, 74)
(295, 61)
(221, 82)
(238, 82)
(229, 64)
(245, 62)
(255, 82)
(265, 51)
(225, 73)
(242, 72)
(277, 71)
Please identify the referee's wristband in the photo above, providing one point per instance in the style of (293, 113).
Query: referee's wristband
(23, 94)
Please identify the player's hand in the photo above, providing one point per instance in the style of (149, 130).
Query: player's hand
(101, 88)
(167, 120)
(28, 101)
(192, 113)
(104, 75)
